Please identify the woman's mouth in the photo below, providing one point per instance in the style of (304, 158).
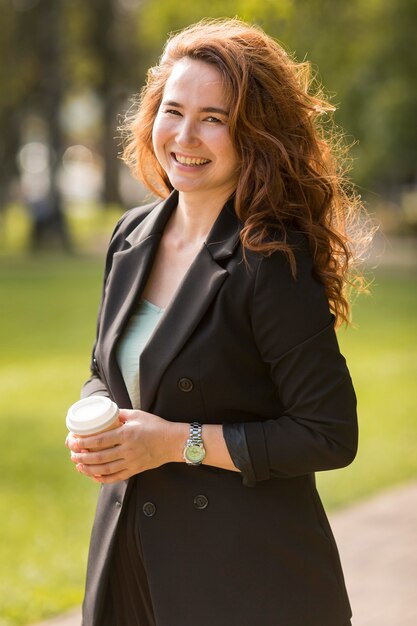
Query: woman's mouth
(192, 161)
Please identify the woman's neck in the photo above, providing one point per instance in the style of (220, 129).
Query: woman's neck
(193, 218)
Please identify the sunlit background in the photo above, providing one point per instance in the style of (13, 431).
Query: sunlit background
(68, 72)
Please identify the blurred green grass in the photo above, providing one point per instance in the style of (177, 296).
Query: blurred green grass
(382, 357)
(48, 306)
(48, 309)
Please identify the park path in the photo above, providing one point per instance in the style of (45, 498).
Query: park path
(377, 540)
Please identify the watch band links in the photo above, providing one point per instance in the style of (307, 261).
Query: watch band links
(195, 433)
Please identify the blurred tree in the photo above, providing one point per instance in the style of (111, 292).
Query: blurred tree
(49, 95)
(33, 83)
(159, 19)
(14, 69)
(363, 54)
(103, 52)
(106, 47)
(384, 95)
(49, 50)
(52, 49)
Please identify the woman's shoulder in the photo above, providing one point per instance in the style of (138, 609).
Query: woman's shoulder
(287, 273)
(287, 294)
(288, 255)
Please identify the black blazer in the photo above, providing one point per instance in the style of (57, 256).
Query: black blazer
(245, 345)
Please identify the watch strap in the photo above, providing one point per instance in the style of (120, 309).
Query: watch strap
(195, 434)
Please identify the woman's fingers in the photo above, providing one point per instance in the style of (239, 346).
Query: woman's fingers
(105, 469)
(72, 443)
(113, 478)
(102, 441)
(97, 458)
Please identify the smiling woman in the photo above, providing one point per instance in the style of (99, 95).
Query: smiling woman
(216, 339)
(191, 135)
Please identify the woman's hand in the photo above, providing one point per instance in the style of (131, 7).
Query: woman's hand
(143, 441)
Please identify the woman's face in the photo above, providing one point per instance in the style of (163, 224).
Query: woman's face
(191, 137)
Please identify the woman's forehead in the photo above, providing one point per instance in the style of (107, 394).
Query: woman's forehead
(195, 80)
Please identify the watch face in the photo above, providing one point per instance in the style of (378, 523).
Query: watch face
(195, 453)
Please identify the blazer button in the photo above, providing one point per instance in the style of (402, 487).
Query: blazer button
(185, 384)
(200, 502)
(149, 509)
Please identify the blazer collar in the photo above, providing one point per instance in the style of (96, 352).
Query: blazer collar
(154, 223)
(225, 233)
(221, 240)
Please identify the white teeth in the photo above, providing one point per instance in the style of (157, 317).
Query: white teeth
(190, 161)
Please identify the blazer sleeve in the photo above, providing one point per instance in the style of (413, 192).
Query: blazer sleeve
(294, 332)
(94, 386)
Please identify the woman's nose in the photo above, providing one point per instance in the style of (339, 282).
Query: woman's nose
(187, 134)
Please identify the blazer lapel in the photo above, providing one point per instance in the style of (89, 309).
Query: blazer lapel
(199, 287)
(126, 282)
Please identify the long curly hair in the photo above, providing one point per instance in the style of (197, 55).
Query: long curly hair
(292, 173)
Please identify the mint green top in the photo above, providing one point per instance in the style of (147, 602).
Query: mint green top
(132, 343)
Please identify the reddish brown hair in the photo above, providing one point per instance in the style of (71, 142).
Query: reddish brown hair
(290, 176)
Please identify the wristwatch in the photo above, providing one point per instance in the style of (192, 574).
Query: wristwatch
(194, 451)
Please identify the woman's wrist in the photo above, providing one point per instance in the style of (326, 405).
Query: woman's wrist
(217, 453)
(175, 438)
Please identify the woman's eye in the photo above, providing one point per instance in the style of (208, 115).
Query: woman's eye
(213, 119)
(172, 112)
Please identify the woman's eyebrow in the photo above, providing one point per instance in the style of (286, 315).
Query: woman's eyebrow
(214, 110)
(172, 103)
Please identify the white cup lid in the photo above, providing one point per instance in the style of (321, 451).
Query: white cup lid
(91, 415)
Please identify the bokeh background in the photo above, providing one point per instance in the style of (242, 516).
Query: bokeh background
(68, 71)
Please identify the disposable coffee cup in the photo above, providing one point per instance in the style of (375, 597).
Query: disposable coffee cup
(92, 415)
